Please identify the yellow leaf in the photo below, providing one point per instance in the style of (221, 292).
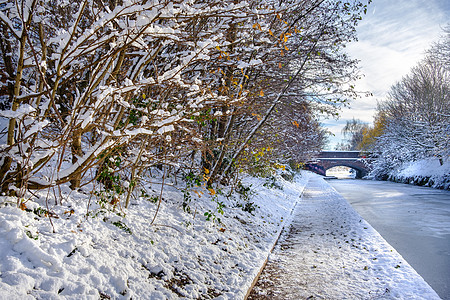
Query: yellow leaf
(211, 191)
(206, 171)
(286, 48)
(143, 96)
(71, 212)
(285, 38)
(258, 117)
(242, 71)
(261, 93)
(270, 32)
(218, 48)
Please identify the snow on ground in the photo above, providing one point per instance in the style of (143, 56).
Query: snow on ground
(105, 255)
(330, 252)
(183, 255)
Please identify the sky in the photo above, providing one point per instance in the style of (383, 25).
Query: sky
(392, 38)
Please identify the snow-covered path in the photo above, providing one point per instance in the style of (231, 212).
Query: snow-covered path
(330, 252)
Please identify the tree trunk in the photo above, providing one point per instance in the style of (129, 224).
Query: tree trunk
(6, 48)
(15, 105)
(76, 152)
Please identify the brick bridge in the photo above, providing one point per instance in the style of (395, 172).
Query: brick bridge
(329, 159)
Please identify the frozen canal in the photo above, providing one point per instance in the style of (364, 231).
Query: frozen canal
(414, 220)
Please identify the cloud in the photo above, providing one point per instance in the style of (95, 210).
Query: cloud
(393, 38)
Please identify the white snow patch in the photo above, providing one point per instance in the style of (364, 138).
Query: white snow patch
(184, 255)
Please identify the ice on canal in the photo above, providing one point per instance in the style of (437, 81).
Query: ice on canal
(329, 252)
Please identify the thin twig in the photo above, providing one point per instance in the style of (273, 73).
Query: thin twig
(162, 188)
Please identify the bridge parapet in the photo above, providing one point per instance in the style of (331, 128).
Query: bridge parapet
(339, 154)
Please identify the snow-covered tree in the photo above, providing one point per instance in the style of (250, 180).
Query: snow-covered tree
(306, 66)
(416, 114)
(92, 77)
(95, 88)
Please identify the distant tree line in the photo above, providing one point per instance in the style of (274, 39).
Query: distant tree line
(353, 131)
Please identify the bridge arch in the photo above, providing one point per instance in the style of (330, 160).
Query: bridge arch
(330, 159)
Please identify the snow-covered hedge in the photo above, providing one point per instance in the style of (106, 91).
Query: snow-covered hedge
(424, 172)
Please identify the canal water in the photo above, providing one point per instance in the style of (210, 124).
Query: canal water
(414, 220)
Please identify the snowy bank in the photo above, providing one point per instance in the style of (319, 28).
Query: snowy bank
(108, 256)
(425, 172)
